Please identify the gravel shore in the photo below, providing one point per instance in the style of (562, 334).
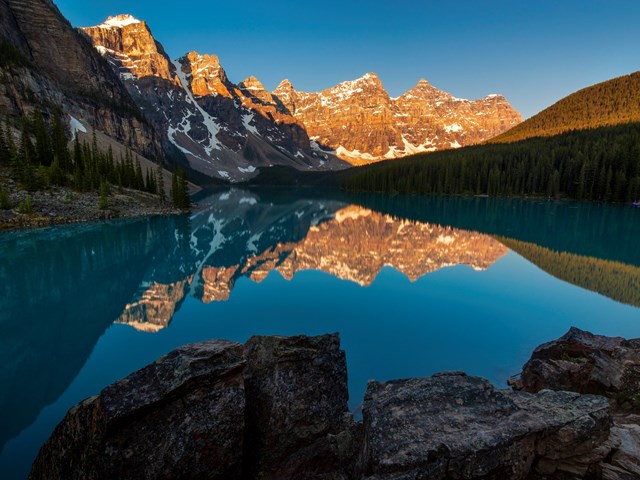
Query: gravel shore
(60, 205)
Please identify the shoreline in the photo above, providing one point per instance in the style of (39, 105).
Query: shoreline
(65, 206)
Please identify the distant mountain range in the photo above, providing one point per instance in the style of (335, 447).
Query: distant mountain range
(117, 78)
(188, 112)
(229, 130)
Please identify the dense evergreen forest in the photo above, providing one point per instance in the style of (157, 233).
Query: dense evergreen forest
(42, 159)
(599, 164)
(609, 103)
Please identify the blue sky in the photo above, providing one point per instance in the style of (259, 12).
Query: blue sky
(532, 51)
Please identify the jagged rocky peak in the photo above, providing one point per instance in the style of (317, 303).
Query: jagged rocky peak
(128, 44)
(252, 83)
(364, 86)
(284, 86)
(252, 87)
(206, 75)
(494, 97)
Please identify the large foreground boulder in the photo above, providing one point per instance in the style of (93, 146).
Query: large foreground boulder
(276, 408)
(298, 422)
(180, 417)
(582, 362)
(453, 426)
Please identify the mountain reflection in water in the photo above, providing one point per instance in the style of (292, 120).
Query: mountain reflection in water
(241, 237)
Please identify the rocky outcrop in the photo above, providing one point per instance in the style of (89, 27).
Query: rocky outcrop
(451, 426)
(277, 409)
(582, 362)
(180, 417)
(217, 410)
(362, 123)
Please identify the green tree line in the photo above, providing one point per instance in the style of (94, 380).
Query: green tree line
(599, 164)
(41, 158)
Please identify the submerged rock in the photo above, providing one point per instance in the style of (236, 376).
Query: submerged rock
(460, 427)
(180, 417)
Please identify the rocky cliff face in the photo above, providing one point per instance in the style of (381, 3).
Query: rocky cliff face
(59, 69)
(362, 124)
(276, 408)
(223, 130)
(131, 47)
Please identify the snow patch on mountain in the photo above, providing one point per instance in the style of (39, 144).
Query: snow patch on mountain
(209, 122)
(119, 21)
(76, 126)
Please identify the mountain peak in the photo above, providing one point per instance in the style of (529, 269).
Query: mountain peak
(368, 77)
(285, 84)
(119, 21)
(195, 57)
(251, 83)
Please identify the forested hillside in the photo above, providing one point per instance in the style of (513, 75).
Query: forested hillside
(608, 103)
(598, 164)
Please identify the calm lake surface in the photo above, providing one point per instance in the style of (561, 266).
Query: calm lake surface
(414, 286)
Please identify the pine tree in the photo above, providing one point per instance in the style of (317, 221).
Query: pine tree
(59, 143)
(43, 143)
(185, 199)
(174, 189)
(23, 166)
(180, 190)
(104, 193)
(160, 183)
(4, 148)
(56, 176)
(139, 179)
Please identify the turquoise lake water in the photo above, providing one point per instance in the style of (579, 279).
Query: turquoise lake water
(413, 285)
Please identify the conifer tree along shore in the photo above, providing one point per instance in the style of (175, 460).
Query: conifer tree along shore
(42, 159)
